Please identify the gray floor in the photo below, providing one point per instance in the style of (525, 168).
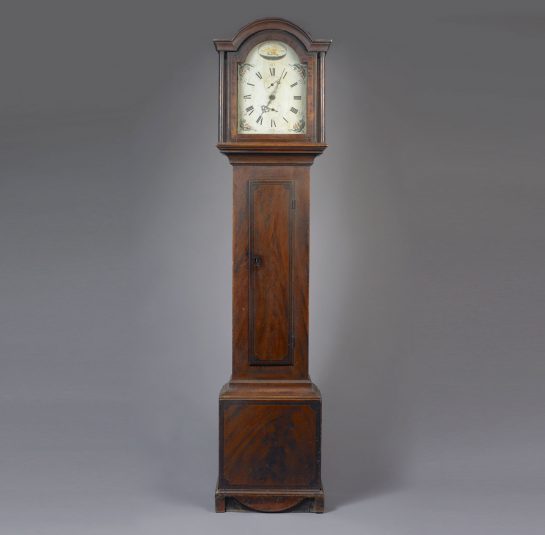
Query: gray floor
(111, 492)
(418, 511)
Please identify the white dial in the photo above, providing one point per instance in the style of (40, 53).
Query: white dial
(272, 91)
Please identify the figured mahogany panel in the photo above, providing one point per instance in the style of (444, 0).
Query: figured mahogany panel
(270, 444)
(270, 298)
(271, 256)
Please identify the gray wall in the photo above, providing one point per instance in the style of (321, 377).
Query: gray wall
(427, 255)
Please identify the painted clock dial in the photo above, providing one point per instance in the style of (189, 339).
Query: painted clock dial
(272, 91)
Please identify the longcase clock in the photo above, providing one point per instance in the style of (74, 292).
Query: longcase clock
(271, 127)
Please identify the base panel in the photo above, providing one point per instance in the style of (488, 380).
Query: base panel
(270, 447)
(311, 501)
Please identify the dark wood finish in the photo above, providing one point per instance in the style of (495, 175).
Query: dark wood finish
(246, 177)
(270, 444)
(232, 45)
(270, 411)
(275, 504)
(266, 502)
(272, 206)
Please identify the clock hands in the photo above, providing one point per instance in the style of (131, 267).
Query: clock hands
(277, 82)
(266, 108)
(273, 83)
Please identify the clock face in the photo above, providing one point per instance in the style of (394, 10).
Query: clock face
(272, 91)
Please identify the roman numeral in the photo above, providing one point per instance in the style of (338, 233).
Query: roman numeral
(285, 119)
(294, 84)
(294, 110)
(260, 119)
(250, 110)
(248, 83)
(284, 75)
(247, 96)
(273, 124)
(258, 74)
(297, 97)
(271, 69)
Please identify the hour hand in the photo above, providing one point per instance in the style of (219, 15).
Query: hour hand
(276, 82)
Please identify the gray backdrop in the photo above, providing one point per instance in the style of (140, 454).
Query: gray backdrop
(427, 267)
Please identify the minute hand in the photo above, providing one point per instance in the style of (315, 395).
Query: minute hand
(279, 79)
(272, 95)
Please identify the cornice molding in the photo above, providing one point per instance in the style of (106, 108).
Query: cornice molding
(312, 45)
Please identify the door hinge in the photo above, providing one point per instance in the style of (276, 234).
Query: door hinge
(293, 203)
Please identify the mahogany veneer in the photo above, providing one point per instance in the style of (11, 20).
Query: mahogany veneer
(270, 411)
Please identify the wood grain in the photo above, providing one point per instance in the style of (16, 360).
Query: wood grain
(270, 411)
(271, 281)
(270, 444)
(287, 314)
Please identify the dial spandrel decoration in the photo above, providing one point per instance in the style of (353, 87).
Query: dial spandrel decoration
(272, 91)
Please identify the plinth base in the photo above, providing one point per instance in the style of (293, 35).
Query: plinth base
(270, 501)
(270, 442)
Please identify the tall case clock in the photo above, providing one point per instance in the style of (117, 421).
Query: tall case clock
(271, 127)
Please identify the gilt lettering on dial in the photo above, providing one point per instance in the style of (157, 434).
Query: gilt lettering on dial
(272, 91)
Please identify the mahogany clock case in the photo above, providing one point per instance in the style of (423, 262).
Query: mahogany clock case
(270, 411)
